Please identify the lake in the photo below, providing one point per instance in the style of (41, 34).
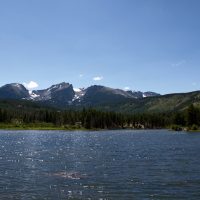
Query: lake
(146, 164)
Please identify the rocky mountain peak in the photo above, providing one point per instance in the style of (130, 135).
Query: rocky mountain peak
(13, 91)
(64, 94)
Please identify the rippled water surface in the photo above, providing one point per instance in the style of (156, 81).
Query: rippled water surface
(99, 165)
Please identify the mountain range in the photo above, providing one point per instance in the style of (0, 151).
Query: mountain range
(64, 95)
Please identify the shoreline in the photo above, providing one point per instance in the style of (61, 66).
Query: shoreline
(82, 129)
(51, 127)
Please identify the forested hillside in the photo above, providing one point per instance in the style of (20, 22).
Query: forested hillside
(23, 113)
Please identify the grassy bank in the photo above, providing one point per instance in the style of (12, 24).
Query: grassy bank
(50, 126)
(38, 126)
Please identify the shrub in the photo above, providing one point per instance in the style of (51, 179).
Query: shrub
(194, 127)
(176, 128)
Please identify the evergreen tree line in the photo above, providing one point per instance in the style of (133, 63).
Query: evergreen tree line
(189, 118)
(91, 118)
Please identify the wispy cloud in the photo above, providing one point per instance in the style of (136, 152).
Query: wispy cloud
(179, 63)
(31, 85)
(126, 88)
(97, 78)
(81, 75)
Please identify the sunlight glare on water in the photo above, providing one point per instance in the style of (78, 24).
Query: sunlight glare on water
(99, 165)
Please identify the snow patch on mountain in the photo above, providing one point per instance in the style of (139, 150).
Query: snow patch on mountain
(64, 93)
(77, 90)
(76, 97)
(79, 93)
(33, 95)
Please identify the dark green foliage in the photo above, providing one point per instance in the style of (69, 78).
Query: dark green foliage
(176, 128)
(23, 112)
(193, 116)
(190, 118)
(194, 127)
(179, 119)
(86, 118)
(158, 104)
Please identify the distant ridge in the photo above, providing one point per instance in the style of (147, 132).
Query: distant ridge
(65, 96)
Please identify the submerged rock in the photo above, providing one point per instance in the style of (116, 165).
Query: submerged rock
(68, 175)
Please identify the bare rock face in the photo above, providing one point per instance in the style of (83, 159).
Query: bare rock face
(13, 91)
(63, 94)
(98, 94)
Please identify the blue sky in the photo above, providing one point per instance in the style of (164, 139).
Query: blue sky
(141, 44)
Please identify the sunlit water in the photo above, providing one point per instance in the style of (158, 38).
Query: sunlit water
(99, 165)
